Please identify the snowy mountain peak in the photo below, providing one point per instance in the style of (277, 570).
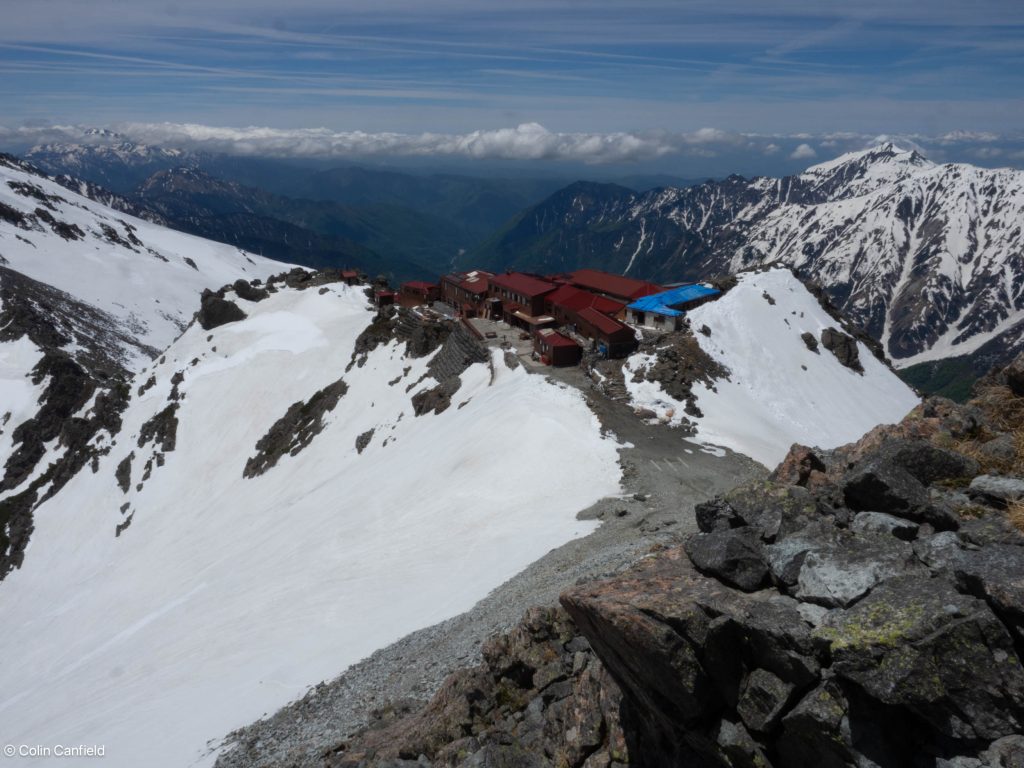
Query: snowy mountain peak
(887, 153)
(864, 171)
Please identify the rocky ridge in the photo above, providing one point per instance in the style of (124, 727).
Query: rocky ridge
(861, 607)
(84, 389)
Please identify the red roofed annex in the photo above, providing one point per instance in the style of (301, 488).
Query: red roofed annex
(625, 289)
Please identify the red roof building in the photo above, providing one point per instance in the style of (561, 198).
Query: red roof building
(524, 291)
(416, 292)
(609, 336)
(566, 301)
(616, 286)
(556, 349)
(467, 292)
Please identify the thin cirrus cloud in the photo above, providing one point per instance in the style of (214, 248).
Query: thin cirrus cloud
(585, 69)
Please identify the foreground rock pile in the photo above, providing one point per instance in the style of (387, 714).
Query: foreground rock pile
(863, 607)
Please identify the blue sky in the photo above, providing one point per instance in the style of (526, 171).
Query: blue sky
(797, 72)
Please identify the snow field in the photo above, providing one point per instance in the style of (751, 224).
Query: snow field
(226, 598)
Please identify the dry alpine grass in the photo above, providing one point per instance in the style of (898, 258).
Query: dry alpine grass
(1004, 414)
(1015, 514)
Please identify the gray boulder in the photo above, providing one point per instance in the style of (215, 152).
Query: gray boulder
(733, 555)
(990, 527)
(841, 573)
(739, 748)
(818, 733)
(775, 511)
(1001, 449)
(941, 552)
(879, 522)
(786, 557)
(995, 573)
(996, 490)
(715, 514)
(878, 485)
(926, 462)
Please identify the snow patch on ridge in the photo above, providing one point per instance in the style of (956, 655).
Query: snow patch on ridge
(778, 392)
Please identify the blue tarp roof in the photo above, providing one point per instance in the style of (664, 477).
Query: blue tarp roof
(662, 303)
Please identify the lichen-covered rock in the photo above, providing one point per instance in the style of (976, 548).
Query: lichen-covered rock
(918, 644)
(774, 510)
(763, 699)
(785, 558)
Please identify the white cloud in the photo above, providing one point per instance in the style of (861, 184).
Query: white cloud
(803, 152)
(528, 141)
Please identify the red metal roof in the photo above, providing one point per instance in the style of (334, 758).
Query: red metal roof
(418, 285)
(603, 323)
(524, 285)
(576, 299)
(555, 339)
(615, 285)
(474, 282)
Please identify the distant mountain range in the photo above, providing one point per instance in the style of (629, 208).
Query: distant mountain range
(928, 258)
(399, 224)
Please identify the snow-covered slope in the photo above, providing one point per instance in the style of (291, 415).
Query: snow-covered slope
(228, 596)
(147, 277)
(778, 391)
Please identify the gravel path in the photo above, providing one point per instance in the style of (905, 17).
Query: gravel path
(664, 475)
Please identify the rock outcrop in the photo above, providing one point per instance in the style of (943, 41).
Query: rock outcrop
(857, 609)
(215, 311)
(540, 698)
